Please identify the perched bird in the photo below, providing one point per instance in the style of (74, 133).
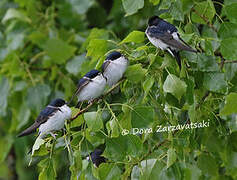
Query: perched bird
(165, 36)
(50, 119)
(96, 157)
(114, 67)
(90, 86)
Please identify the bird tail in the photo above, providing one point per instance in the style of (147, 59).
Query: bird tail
(176, 55)
(29, 130)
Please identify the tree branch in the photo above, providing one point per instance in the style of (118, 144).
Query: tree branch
(96, 100)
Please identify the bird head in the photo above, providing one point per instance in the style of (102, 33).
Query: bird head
(113, 55)
(57, 102)
(154, 21)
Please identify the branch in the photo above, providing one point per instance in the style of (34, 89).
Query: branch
(96, 100)
(228, 61)
(205, 19)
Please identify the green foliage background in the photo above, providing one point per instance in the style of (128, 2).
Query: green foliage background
(46, 46)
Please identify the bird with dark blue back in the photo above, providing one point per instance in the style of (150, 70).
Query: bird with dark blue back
(96, 157)
(114, 67)
(165, 36)
(90, 86)
(50, 119)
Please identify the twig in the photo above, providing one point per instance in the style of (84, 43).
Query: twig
(227, 61)
(96, 100)
(205, 19)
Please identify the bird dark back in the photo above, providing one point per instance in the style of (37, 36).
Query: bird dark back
(57, 102)
(113, 55)
(96, 157)
(161, 24)
(48, 111)
(91, 74)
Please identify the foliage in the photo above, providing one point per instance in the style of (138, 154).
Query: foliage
(46, 46)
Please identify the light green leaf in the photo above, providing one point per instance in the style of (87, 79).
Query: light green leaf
(93, 120)
(134, 36)
(154, 2)
(231, 12)
(97, 48)
(203, 10)
(6, 143)
(207, 164)
(109, 172)
(58, 50)
(82, 6)
(15, 14)
(176, 11)
(131, 6)
(135, 73)
(175, 86)
(228, 48)
(74, 66)
(38, 142)
(142, 116)
(147, 85)
(147, 167)
(112, 128)
(215, 82)
(47, 170)
(171, 157)
(4, 90)
(230, 105)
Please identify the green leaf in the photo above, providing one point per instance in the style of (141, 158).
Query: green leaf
(154, 2)
(147, 167)
(131, 6)
(231, 12)
(207, 63)
(135, 73)
(82, 6)
(6, 143)
(4, 90)
(227, 30)
(74, 66)
(147, 85)
(228, 48)
(38, 142)
(175, 86)
(38, 38)
(112, 127)
(109, 172)
(97, 48)
(58, 50)
(230, 105)
(142, 116)
(134, 36)
(171, 157)
(47, 170)
(176, 11)
(76, 166)
(207, 164)
(93, 121)
(203, 10)
(15, 14)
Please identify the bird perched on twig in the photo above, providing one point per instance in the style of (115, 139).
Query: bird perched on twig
(90, 87)
(50, 119)
(165, 36)
(96, 157)
(114, 67)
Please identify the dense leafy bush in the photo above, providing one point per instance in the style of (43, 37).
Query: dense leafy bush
(46, 46)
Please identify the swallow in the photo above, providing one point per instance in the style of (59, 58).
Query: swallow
(96, 157)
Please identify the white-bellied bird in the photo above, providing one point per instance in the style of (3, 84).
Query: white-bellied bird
(114, 67)
(50, 119)
(90, 86)
(165, 36)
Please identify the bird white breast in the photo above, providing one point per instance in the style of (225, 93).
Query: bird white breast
(115, 70)
(93, 89)
(55, 122)
(157, 42)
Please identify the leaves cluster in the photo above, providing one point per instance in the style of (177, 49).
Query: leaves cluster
(47, 46)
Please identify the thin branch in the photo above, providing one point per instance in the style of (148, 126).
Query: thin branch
(228, 61)
(205, 19)
(96, 100)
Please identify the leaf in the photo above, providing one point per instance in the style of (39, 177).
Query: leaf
(176, 11)
(203, 10)
(15, 14)
(135, 73)
(134, 36)
(230, 105)
(175, 86)
(147, 167)
(207, 63)
(47, 170)
(215, 82)
(4, 90)
(82, 6)
(171, 157)
(112, 128)
(58, 50)
(154, 2)
(228, 48)
(142, 116)
(147, 85)
(131, 6)
(207, 164)
(74, 66)
(97, 48)
(38, 142)
(231, 12)
(93, 121)
(6, 143)
(227, 30)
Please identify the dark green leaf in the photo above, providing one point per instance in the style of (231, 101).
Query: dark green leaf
(135, 73)
(231, 11)
(230, 105)
(228, 48)
(215, 82)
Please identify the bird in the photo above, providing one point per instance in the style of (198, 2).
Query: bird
(50, 119)
(90, 87)
(165, 36)
(96, 157)
(114, 67)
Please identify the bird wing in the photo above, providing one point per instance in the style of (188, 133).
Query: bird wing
(168, 39)
(42, 118)
(105, 65)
